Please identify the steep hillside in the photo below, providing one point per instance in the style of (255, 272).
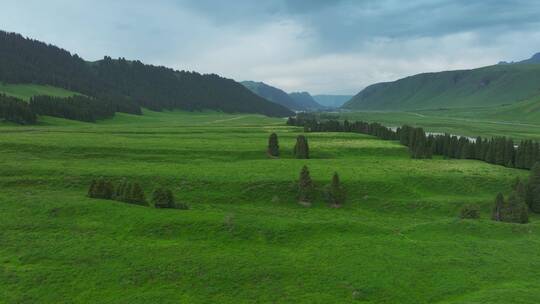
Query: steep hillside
(273, 94)
(334, 101)
(24, 61)
(306, 100)
(488, 86)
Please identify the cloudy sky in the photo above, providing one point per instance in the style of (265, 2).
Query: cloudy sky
(321, 46)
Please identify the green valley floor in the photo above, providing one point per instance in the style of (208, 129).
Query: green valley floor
(245, 239)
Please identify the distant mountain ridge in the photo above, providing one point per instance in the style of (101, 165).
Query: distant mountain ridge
(273, 94)
(125, 82)
(306, 100)
(535, 59)
(483, 87)
(333, 101)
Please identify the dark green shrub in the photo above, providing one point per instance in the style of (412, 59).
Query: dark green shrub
(301, 149)
(470, 212)
(273, 145)
(163, 198)
(305, 186)
(335, 193)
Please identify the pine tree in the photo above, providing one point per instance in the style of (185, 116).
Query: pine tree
(163, 198)
(533, 189)
(273, 146)
(108, 190)
(305, 186)
(335, 192)
(92, 189)
(516, 210)
(137, 195)
(301, 149)
(498, 208)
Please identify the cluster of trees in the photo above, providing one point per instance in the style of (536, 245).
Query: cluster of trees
(129, 83)
(78, 107)
(500, 150)
(301, 148)
(524, 197)
(311, 124)
(16, 111)
(132, 193)
(335, 193)
(513, 210)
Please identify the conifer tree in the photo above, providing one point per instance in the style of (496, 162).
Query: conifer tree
(301, 149)
(305, 186)
(273, 145)
(335, 192)
(498, 209)
(163, 198)
(92, 189)
(137, 195)
(533, 189)
(516, 210)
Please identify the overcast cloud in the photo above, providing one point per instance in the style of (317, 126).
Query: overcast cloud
(320, 46)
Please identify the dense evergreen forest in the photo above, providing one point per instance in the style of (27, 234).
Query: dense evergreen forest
(120, 85)
(501, 150)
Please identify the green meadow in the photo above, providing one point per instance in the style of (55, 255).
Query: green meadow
(245, 239)
(27, 91)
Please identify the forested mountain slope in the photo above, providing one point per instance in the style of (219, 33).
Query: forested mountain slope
(126, 84)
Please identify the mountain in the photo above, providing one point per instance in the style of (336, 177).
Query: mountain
(273, 94)
(306, 100)
(482, 87)
(333, 101)
(535, 59)
(126, 84)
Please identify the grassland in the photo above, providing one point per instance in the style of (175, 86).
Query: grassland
(27, 91)
(245, 239)
(487, 122)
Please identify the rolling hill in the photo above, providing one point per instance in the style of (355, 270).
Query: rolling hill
(273, 94)
(306, 100)
(483, 87)
(27, 61)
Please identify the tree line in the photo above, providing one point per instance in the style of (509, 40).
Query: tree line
(77, 107)
(16, 111)
(499, 150)
(132, 193)
(129, 84)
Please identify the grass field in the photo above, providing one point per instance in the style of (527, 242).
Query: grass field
(486, 122)
(245, 239)
(26, 91)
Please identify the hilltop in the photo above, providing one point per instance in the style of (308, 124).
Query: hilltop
(483, 87)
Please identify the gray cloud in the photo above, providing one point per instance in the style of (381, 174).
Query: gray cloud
(321, 46)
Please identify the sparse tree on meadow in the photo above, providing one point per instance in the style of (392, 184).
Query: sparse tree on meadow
(136, 195)
(335, 193)
(498, 208)
(301, 149)
(533, 189)
(273, 145)
(305, 186)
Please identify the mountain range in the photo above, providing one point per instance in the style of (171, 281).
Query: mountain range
(296, 101)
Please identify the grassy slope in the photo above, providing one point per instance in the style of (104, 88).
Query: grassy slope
(489, 86)
(245, 239)
(26, 91)
(488, 122)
